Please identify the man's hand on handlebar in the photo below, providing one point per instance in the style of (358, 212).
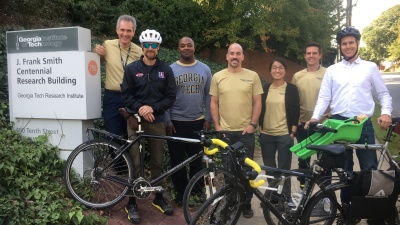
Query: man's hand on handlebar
(312, 121)
(384, 121)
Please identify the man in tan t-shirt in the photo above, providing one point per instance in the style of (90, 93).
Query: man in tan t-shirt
(308, 82)
(117, 54)
(236, 104)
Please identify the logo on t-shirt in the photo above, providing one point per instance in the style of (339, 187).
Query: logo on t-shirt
(161, 75)
(246, 80)
(139, 75)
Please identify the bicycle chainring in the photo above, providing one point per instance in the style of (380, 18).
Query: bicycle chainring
(141, 189)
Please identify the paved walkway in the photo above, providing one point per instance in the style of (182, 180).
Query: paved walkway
(151, 215)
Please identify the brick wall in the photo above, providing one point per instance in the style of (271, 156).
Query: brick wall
(254, 60)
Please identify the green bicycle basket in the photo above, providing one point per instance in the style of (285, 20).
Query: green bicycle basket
(346, 131)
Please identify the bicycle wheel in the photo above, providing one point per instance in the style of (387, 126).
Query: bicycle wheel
(318, 212)
(286, 202)
(202, 185)
(222, 208)
(86, 180)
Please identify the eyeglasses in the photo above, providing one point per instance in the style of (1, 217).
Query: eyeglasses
(153, 46)
(277, 68)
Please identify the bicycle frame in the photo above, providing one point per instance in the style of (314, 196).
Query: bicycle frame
(270, 206)
(138, 139)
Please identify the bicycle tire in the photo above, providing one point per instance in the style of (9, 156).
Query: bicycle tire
(282, 202)
(222, 208)
(195, 192)
(95, 190)
(315, 212)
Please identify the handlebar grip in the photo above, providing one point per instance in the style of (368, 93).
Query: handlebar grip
(218, 142)
(257, 168)
(207, 151)
(325, 128)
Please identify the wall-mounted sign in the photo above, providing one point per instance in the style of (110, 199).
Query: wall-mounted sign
(49, 40)
(54, 84)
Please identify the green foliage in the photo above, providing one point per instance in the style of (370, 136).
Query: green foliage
(381, 36)
(99, 16)
(31, 187)
(169, 56)
(394, 48)
(34, 13)
(172, 18)
(280, 26)
(3, 66)
(394, 146)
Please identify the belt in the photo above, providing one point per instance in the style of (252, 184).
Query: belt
(112, 91)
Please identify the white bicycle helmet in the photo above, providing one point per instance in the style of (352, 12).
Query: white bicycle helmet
(150, 36)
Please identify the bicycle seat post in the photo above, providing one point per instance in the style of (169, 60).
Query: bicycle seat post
(139, 130)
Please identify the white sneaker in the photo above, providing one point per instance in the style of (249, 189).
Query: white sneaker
(327, 204)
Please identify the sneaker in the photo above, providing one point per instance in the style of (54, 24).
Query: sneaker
(327, 204)
(248, 212)
(133, 213)
(162, 205)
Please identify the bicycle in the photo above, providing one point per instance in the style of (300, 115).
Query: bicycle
(343, 211)
(99, 172)
(282, 204)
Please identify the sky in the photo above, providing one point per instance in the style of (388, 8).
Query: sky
(368, 10)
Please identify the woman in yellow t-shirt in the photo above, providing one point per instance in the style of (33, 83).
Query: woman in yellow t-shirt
(279, 117)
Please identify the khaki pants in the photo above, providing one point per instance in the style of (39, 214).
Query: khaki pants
(155, 148)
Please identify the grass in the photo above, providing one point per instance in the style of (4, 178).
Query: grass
(380, 134)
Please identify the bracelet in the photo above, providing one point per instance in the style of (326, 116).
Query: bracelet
(253, 125)
(294, 133)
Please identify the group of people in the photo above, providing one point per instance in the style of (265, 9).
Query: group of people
(171, 100)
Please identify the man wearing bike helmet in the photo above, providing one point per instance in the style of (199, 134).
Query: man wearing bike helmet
(348, 87)
(149, 89)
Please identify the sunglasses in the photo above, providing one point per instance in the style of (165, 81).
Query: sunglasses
(153, 46)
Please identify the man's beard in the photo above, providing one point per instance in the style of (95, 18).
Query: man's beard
(150, 57)
(233, 65)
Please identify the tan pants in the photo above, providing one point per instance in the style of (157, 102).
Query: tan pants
(155, 148)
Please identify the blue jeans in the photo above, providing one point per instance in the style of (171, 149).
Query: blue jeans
(366, 158)
(248, 141)
(113, 121)
(270, 145)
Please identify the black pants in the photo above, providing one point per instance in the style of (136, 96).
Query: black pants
(179, 151)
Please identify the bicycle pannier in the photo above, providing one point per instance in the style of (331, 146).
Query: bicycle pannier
(372, 188)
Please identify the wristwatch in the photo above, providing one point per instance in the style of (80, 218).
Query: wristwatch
(294, 133)
(253, 125)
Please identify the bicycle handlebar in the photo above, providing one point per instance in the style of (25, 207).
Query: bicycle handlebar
(248, 161)
(322, 127)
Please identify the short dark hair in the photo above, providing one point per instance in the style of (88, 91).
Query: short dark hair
(280, 60)
(313, 44)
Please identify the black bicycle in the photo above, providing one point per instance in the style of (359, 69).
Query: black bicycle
(284, 202)
(99, 173)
